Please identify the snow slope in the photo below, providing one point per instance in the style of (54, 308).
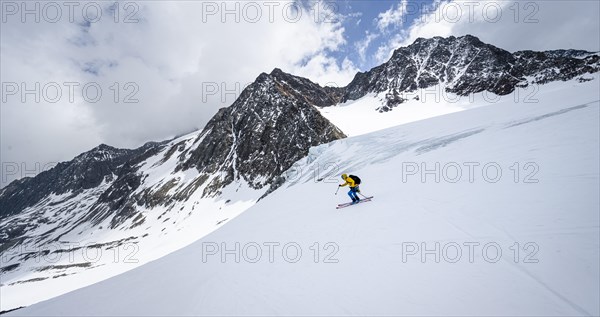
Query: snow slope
(370, 260)
(356, 117)
(362, 116)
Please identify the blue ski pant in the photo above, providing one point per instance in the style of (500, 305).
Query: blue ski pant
(352, 193)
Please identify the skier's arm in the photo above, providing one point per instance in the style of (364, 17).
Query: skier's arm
(349, 181)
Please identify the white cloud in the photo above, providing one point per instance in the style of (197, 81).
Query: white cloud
(326, 71)
(394, 16)
(173, 52)
(363, 45)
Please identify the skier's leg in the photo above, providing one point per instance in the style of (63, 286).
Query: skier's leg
(356, 190)
(350, 193)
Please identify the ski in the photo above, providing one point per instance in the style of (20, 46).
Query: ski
(363, 200)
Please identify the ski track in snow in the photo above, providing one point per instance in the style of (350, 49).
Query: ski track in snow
(548, 115)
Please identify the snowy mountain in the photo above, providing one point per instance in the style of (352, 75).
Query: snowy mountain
(466, 65)
(135, 206)
(270, 126)
(113, 198)
(461, 239)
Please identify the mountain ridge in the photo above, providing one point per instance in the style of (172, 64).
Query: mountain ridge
(466, 65)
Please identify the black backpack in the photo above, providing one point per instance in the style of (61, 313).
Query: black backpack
(355, 178)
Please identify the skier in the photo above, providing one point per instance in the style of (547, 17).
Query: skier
(353, 182)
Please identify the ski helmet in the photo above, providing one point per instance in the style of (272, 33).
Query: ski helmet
(344, 176)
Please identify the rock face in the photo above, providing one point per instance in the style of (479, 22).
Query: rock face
(270, 126)
(466, 65)
(88, 170)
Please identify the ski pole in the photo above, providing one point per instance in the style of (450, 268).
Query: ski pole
(362, 195)
(337, 190)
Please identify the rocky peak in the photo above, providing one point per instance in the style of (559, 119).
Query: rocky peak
(102, 152)
(466, 65)
(85, 171)
(271, 125)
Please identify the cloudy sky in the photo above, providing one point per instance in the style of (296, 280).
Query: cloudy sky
(75, 75)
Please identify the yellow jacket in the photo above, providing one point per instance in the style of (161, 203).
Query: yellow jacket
(349, 181)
